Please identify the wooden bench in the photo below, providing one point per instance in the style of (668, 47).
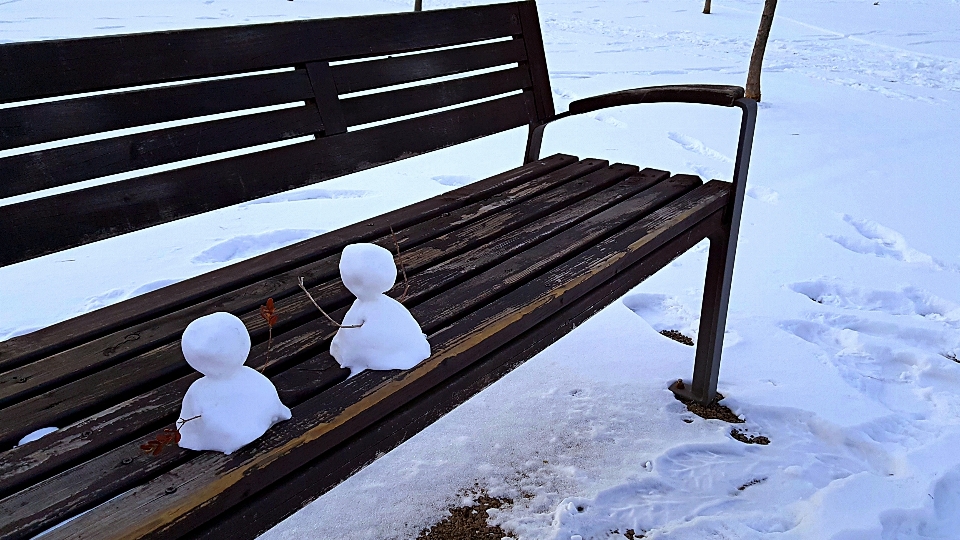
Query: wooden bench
(499, 269)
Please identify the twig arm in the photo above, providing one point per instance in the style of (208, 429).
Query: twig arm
(329, 318)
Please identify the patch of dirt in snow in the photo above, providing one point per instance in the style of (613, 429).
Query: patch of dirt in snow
(746, 438)
(469, 522)
(677, 336)
(713, 411)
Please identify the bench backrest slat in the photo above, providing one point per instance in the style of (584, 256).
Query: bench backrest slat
(384, 105)
(53, 68)
(55, 120)
(61, 221)
(229, 91)
(360, 76)
(65, 165)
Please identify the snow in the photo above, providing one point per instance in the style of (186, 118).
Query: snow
(232, 405)
(843, 323)
(34, 435)
(386, 334)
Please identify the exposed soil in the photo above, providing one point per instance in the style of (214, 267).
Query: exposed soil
(677, 336)
(468, 523)
(748, 439)
(713, 411)
(753, 482)
(951, 356)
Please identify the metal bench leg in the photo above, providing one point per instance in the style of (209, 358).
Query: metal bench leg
(716, 291)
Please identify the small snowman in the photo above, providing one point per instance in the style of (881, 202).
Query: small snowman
(231, 405)
(384, 335)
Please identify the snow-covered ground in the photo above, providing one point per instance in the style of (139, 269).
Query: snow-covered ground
(845, 307)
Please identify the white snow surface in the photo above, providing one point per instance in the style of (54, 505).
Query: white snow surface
(385, 334)
(843, 334)
(232, 405)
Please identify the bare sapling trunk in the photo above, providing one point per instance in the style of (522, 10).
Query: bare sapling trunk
(418, 5)
(756, 59)
(706, 7)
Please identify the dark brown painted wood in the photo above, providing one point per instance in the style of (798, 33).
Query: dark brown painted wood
(22, 349)
(367, 75)
(261, 512)
(63, 487)
(44, 122)
(45, 169)
(60, 67)
(59, 222)
(22, 382)
(70, 399)
(327, 102)
(199, 490)
(537, 60)
(385, 105)
(706, 94)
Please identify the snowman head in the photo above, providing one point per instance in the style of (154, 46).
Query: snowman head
(216, 345)
(367, 270)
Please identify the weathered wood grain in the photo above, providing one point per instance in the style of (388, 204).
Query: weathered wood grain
(69, 400)
(264, 510)
(205, 486)
(292, 383)
(30, 379)
(22, 349)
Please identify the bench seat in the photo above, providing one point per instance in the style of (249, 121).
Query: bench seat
(498, 270)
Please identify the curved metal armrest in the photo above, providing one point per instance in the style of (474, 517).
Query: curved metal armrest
(707, 94)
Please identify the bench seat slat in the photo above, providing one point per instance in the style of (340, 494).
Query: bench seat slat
(70, 219)
(43, 122)
(43, 169)
(63, 487)
(164, 56)
(385, 105)
(259, 512)
(367, 75)
(73, 398)
(206, 485)
(19, 383)
(22, 349)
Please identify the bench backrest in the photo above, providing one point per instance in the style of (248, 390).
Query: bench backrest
(173, 124)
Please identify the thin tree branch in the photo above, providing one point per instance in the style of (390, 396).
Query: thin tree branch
(181, 421)
(403, 268)
(329, 318)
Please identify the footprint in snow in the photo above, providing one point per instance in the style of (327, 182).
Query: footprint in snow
(311, 194)
(728, 489)
(455, 181)
(663, 313)
(939, 516)
(245, 246)
(763, 194)
(905, 365)
(906, 301)
(873, 238)
(697, 147)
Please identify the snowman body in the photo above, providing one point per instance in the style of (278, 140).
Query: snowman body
(388, 336)
(233, 403)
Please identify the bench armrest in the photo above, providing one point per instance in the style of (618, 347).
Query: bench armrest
(707, 94)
